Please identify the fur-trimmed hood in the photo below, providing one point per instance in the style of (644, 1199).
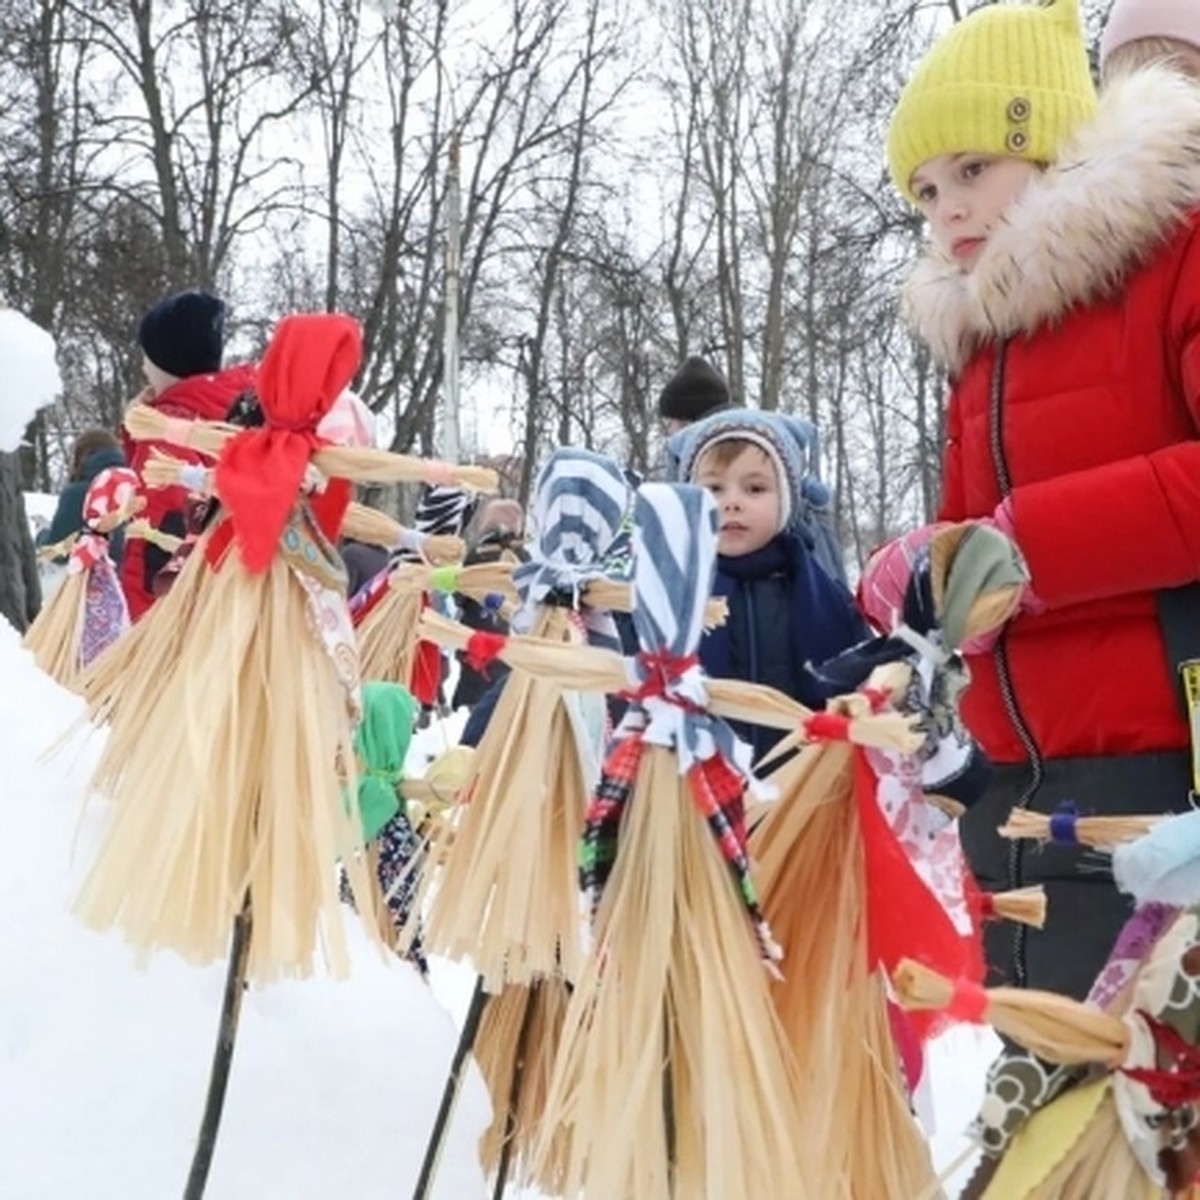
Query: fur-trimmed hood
(1122, 185)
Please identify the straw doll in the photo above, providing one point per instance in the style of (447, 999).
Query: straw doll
(673, 1077)
(232, 799)
(893, 880)
(563, 1154)
(381, 745)
(1127, 1125)
(517, 929)
(524, 803)
(1161, 871)
(123, 685)
(88, 612)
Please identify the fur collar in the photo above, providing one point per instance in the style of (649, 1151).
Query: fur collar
(1121, 186)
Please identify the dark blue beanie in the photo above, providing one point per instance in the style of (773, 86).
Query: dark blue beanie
(185, 334)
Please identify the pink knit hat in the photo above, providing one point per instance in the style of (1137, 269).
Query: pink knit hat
(1134, 19)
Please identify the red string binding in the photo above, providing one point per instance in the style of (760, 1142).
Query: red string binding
(827, 727)
(968, 1003)
(663, 669)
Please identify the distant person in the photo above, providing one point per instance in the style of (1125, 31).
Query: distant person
(692, 393)
(95, 450)
(183, 341)
(498, 537)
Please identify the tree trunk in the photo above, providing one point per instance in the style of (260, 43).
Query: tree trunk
(20, 592)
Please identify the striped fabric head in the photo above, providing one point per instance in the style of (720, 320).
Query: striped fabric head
(578, 508)
(674, 563)
(441, 510)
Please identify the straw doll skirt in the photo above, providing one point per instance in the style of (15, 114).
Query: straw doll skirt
(1085, 912)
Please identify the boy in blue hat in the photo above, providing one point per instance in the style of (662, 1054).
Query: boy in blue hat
(786, 609)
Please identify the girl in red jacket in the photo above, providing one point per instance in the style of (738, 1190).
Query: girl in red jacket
(1061, 294)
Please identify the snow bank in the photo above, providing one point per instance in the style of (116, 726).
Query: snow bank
(103, 1067)
(31, 379)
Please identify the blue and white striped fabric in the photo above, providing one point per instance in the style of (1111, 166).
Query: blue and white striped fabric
(580, 502)
(674, 562)
(441, 509)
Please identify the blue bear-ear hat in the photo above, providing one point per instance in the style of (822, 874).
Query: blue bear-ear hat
(790, 443)
(184, 334)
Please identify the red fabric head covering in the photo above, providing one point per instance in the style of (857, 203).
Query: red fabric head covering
(311, 359)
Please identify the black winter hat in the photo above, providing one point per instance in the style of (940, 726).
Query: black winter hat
(694, 391)
(185, 334)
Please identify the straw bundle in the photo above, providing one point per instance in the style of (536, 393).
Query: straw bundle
(141, 528)
(56, 635)
(1100, 833)
(525, 804)
(378, 529)
(674, 982)
(616, 595)
(832, 1009)
(387, 637)
(124, 685)
(1053, 1027)
(232, 790)
(517, 1044)
(1025, 906)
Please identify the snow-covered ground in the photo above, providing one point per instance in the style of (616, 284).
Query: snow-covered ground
(104, 1066)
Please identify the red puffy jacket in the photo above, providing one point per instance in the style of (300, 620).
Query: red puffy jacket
(199, 397)
(1074, 353)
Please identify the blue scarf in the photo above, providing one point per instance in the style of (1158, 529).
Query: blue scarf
(822, 619)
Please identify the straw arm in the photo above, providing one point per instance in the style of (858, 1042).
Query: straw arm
(1100, 833)
(1055, 1027)
(364, 465)
(141, 528)
(617, 596)
(59, 549)
(369, 525)
(163, 470)
(380, 466)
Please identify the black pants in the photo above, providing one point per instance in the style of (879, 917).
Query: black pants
(1085, 911)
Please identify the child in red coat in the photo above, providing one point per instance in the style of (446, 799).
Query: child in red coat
(182, 340)
(1061, 294)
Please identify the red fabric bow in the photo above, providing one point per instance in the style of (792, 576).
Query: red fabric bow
(1177, 1084)
(663, 670)
(311, 360)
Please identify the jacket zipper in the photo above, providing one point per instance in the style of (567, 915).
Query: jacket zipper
(1016, 848)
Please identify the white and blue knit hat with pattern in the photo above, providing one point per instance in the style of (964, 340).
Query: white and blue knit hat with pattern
(793, 446)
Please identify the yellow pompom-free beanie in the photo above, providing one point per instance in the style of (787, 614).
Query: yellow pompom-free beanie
(1007, 79)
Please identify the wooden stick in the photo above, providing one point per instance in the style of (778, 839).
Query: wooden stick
(235, 987)
(441, 1124)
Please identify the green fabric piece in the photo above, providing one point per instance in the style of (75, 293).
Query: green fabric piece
(381, 746)
(445, 579)
(984, 561)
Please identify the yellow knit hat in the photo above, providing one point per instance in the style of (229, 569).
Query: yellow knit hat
(1008, 79)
